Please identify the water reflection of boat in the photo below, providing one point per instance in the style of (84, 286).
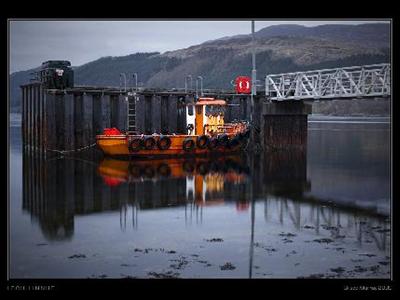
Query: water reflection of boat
(114, 171)
(205, 178)
(56, 191)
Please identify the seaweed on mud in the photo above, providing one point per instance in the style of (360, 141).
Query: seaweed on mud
(214, 240)
(227, 266)
(323, 240)
(308, 227)
(181, 263)
(367, 254)
(287, 234)
(77, 256)
(338, 270)
(166, 275)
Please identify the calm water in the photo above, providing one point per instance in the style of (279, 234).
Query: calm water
(320, 213)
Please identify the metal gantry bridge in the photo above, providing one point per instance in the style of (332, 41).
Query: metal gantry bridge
(348, 82)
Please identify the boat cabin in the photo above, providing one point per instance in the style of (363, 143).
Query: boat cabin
(206, 116)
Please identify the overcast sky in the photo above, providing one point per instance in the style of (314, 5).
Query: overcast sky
(32, 42)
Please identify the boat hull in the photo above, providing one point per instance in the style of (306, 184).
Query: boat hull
(118, 145)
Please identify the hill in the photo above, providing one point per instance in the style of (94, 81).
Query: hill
(280, 48)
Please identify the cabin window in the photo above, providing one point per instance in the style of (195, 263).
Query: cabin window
(190, 110)
(214, 110)
(199, 109)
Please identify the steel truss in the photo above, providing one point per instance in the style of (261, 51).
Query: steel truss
(349, 82)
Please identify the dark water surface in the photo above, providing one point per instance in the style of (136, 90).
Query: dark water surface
(324, 212)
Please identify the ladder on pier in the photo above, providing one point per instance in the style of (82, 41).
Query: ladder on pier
(131, 115)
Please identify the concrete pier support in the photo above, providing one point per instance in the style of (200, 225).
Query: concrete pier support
(284, 124)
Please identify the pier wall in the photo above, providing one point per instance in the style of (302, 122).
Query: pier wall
(67, 121)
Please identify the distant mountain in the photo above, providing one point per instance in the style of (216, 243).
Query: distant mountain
(279, 48)
(369, 35)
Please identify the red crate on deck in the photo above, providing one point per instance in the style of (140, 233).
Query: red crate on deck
(111, 131)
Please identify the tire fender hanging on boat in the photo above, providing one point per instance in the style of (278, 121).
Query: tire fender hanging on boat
(164, 142)
(188, 144)
(149, 142)
(202, 141)
(135, 144)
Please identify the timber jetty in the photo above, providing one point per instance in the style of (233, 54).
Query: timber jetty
(60, 117)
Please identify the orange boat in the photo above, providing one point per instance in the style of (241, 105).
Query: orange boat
(207, 134)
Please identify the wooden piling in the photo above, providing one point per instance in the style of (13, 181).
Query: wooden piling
(34, 107)
(181, 115)
(42, 121)
(23, 121)
(88, 136)
(243, 109)
(122, 107)
(29, 116)
(156, 114)
(97, 114)
(140, 114)
(148, 114)
(51, 125)
(114, 111)
(60, 122)
(165, 126)
(69, 137)
(105, 111)
(172, 114)
(78, 121)
(38, 119)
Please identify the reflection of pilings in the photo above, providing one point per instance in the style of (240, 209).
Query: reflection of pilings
(55, 190)
(284, 172)
(252, 237)
(312, 214)
(53, 210)
(123, 213)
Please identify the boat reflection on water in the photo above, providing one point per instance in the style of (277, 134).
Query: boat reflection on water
(204, 179)
(56, 191)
